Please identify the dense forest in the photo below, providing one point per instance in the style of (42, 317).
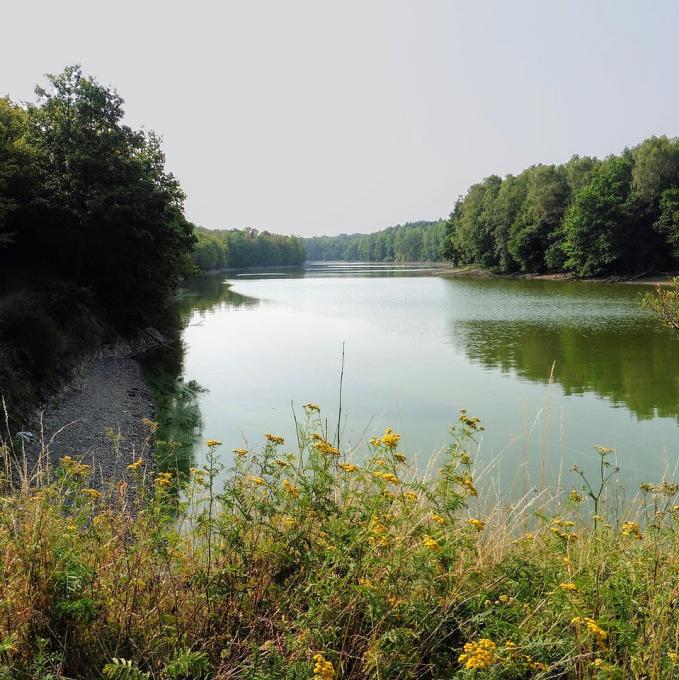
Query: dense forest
(410, 242)
(217, 249)
(588, 216)
(93, 238)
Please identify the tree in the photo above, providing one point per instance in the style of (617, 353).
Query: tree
(596, 227)
(105, 213)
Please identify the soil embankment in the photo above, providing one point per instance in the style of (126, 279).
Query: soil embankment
(98, 418)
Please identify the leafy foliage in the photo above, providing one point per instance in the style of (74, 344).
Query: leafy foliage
(589, 217)
(410, 242)
(302, 562)
(217, 249)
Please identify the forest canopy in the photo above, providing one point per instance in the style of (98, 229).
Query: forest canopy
(589, 217)
(222, 248)
(410, 242)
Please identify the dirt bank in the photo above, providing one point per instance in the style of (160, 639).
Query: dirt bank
(662, 279)
(98, 418)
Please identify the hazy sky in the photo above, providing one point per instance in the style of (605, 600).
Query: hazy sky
(310, 117)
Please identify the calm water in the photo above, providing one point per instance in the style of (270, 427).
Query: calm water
(419, 347)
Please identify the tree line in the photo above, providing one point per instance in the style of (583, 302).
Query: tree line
(218, 249)
(410, 242)
(590, 217)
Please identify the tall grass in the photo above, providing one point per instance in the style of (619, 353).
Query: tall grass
(304, 564)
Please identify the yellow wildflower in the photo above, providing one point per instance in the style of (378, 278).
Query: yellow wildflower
(312, 407)
(92, 493)
(292, 490)
(387, 476)
(323, 669)
(348, 467)
(568, 587)
(163, 479)
(439, 519)
(591, 626)
(390, 439)
(479, 655)
(213, 443)
(431, 543)
(374, 441)
(136, 465)
(575, 497)
(240, 452)
(400, 457)
(631, 529)
(468, 483)
(274, 438)
(325, 446)
(478, 524)
(256, 480)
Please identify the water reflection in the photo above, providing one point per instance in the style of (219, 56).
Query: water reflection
(586, 337)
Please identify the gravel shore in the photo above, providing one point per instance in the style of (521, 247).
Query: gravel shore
(98, 418)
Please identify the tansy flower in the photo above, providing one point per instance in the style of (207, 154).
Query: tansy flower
(326, 447)
(592, 627)
(256, 480)
(348, 467)
(439, 519)
(431, 543)
(240, 452)
(479, 655)
(274, 438)
(568, 587)
(390, 439)
(323, 669)
(293, 491)
(213, 443)
(92, 493)
(312, 407)
(136, 465)
(631, 529)
(478, 524)
(163, 479)
(410, 496)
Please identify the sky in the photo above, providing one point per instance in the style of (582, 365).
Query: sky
(317, 117)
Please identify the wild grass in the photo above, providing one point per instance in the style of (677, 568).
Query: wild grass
(303, 564)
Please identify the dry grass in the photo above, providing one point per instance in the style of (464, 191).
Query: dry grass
(308, 565)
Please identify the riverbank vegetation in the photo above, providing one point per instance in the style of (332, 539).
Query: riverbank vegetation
(410, 242)
(299, 562)
(93, 239)
(589, 217)
(239, 248)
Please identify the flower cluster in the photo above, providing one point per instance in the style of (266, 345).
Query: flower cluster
(213, 443)
(136, 465)
(390, 439)
(387, 477)
(274, 438)
(479, 654)
(631, 529)
(478, 524)
(292, 490)
(348, 467)
(592, 626)
(431, 543)
(75, 467)
(323, 669)
(163, 479)
(321, 444)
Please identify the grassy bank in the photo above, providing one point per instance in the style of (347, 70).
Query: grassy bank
(303, 564)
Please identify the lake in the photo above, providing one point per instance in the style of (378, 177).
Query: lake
(551, 367)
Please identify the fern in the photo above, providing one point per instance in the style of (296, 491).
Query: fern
(187, 665)
(123, 669)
